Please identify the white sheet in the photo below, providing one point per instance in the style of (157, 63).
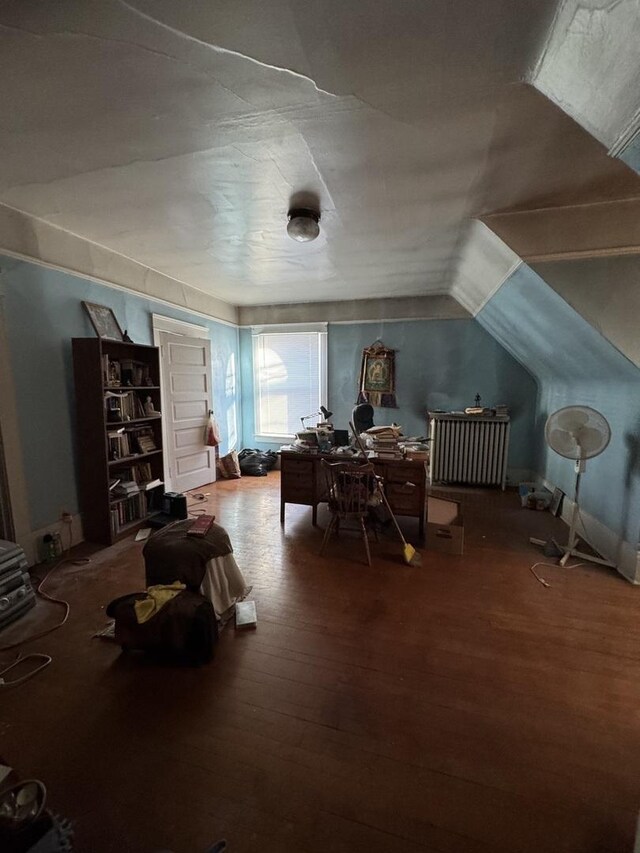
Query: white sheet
(223, 583)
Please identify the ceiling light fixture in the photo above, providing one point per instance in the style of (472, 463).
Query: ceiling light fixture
(303, 224)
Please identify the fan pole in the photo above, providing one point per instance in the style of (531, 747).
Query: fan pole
(570, 550)
(571, 545)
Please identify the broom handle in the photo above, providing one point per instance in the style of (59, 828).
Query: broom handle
(379, 487)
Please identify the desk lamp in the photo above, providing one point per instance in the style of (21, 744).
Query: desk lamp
(326, 414)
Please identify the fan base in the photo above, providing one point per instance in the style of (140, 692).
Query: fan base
(573, 552)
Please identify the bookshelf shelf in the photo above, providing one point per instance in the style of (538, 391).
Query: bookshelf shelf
(120, 424)
(106, 517)
(130, 526)
(128, 460)
(119, 500)
(117, 389)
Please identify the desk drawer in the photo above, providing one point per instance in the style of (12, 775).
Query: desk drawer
(404, 473)
(405, 498)
(298, 485)
(296, 467)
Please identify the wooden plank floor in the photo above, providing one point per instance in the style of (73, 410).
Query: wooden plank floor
(460, 707)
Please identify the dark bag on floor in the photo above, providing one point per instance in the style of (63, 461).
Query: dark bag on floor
(184, 630)
(257, 463)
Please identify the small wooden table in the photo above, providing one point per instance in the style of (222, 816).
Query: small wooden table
(302, 482)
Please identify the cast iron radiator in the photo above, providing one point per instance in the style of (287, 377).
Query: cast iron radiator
(469, 449)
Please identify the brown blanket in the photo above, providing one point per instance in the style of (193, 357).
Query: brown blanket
(170, 555)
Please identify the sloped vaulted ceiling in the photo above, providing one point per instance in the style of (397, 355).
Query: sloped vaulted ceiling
(172, 135)
(176, 133)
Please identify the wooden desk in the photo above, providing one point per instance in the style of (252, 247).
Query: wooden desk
(302, 482)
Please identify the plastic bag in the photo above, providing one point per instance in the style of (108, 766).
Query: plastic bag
(229, 467)
(257, 463)
(211, 432)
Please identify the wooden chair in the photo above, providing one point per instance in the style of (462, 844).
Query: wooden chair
(348, 488)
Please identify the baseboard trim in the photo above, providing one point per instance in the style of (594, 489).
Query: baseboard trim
(624, 554)
(520, 475)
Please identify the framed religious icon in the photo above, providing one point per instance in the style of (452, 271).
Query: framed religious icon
(379, 375)
(103, 321)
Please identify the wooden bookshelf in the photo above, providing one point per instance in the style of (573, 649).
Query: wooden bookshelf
(98, 463)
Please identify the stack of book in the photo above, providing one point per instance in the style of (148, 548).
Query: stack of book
(384, 442)
(502, 411)
(125, 489)
(303, 446)
(415, 449)
(478, 410)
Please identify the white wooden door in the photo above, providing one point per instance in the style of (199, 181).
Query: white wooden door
(187, 400)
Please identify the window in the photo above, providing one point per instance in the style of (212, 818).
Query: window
(290, 376)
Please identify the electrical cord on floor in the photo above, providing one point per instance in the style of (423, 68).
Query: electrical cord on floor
(541, 580)
(44, 660)
(198, 498)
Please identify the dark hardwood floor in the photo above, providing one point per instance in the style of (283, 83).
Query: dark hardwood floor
(459, 707)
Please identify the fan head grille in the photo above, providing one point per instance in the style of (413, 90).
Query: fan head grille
(577, 432)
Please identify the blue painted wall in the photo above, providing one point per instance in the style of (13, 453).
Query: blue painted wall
(43, 313)
(632, 155)
(440, 364)
(575, 365)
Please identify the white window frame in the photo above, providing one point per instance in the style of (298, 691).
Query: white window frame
(293, 328)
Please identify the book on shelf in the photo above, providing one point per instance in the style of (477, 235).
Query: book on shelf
(150, 484)
(128, 441)
(123, 406)
(144, 438)
(118, 444)
(133, 508)
(126, 488)
(125, 371)
(134, 372)
(139, 476)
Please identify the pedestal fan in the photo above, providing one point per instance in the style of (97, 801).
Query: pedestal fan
(579, 433)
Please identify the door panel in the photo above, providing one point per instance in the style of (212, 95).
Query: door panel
(194, 463)
(186, 375)
(184, 411)
(187, 381)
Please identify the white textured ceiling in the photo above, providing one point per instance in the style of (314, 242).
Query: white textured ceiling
(176, 133)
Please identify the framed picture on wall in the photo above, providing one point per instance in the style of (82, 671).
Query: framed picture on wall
(103, 321)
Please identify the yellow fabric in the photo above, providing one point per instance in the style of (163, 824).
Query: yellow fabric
(157, 597)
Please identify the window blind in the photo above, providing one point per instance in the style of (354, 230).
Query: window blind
(289, 379)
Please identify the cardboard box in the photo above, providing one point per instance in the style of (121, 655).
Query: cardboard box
(445, 526)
